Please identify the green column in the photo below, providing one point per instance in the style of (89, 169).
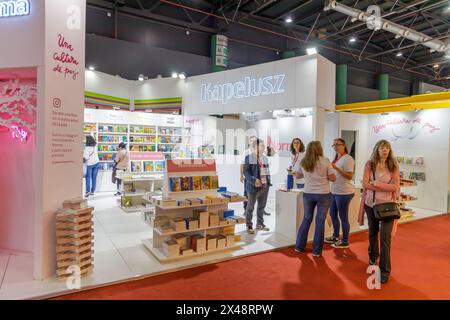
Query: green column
(287, 54)
(383, 86)
(341, 83)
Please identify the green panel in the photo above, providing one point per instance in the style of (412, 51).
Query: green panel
(287, 54)
(214, 67)
(383, 86)
(341, 83)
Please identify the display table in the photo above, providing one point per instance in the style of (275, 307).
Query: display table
(289, 215)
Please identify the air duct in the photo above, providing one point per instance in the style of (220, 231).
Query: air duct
(381, 23)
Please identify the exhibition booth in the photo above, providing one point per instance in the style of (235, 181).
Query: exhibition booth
(181, 201)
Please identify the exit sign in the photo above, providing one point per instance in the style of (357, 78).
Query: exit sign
(14, 8)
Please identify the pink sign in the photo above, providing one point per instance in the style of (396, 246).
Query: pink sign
(19, 133)
(403, 128)
(137, 156)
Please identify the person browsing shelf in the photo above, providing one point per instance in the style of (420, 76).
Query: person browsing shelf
(381, 183)
(297, 149)
(342, 192)
(121, 164)
(257, 184)
(318, 172)
(90, 158)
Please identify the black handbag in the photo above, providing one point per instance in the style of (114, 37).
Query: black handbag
(385, 211)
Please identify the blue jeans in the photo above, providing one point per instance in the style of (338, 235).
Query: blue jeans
(91, 175)
(310, 202)
(339, 210)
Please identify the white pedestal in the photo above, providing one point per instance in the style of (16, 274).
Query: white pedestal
(289, 215)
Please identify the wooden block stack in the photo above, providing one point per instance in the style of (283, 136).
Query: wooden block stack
(74, 236)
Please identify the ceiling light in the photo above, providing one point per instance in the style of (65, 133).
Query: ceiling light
(174, 75)
(352, 39)
(141, 77)
(188, 32)
(91, 68)
(288, 20)
(109, 14)
(182, 76)
(311, 51)
(399, 54)
(436, 66)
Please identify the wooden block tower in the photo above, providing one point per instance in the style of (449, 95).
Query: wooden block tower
(74, 236)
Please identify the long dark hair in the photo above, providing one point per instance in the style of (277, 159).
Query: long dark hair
(90, 141)
(302, 146)
(375, 157)
(345, 147)
(313, 153)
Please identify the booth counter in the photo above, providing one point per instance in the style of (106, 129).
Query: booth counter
(289, 214)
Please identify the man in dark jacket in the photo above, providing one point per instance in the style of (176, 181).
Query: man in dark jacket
(257, 184)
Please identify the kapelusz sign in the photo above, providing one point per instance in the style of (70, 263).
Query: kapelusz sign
(249, 87)
(14, 8)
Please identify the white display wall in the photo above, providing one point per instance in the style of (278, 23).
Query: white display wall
(418, 134)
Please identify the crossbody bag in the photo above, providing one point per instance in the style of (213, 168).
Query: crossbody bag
(385, 211)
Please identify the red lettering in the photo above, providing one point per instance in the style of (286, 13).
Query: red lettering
(62, 43)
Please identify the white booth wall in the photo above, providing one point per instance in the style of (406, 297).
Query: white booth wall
(412, 134)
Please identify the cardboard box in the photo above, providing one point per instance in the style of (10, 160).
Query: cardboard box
(214, 199)
(213, 219)
(186, 252)
(178, 224)
(198, 243)
(75, 203)
(203, 217)
(221, 242)
(167, 228)
(191, 223)
(160, 221)
(182, 240)
(230, 240)
(228, 230)
(211, 243)
(171, 249)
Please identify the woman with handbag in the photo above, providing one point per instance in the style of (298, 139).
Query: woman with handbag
(90, 158)
(121, 164)
(381, 183)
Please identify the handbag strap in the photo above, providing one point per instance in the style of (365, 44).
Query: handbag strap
(373, 174)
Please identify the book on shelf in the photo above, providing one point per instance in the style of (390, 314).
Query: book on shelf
(198, 243)
(183, 203)
(148, 166)
(186, 183)
(175, 184)
(214, 182)
(205, 200)
(197, 183)
(206, 183)
(166, 202)
(171, 249)
(194, 201)
(214, 199)
(191, 223)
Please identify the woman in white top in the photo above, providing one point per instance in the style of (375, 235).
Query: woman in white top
(342, 191)
(318, 172)
(90, 157)
(297, 149)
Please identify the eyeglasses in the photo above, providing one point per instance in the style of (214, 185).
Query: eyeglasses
(336, 145)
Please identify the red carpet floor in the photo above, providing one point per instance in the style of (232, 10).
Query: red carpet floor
(420, 270)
